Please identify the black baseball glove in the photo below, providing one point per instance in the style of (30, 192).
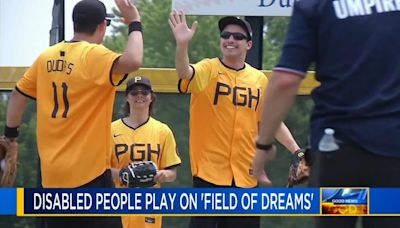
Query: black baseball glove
(299, 169)
(139, 174)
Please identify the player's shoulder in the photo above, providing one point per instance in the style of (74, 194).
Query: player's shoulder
(311, 7)
(79, 46)
(159, 124)
(208, 61)
(117, 123)
(53, 48)
(95, 48)
(253, 71)
(215, 60)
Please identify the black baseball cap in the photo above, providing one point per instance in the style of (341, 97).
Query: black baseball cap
(138, 80)
(225, 21)
(90, 12)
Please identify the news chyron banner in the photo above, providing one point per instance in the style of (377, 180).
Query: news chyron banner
(201, 201)
(168, 201)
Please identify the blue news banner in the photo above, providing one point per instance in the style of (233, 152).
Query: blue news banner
(172, 201)
(186, 201)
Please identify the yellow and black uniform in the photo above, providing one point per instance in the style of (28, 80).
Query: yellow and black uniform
(75, 90)
(151, 141)
(225, 110)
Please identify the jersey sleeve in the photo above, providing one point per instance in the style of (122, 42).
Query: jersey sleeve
(27, 84)
(299, 49)
(169, 155)
(200, 79)
(100, 61)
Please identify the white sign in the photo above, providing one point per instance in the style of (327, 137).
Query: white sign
(235, 7)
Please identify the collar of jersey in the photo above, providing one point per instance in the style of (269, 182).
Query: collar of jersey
(122, 119)
(230, 68)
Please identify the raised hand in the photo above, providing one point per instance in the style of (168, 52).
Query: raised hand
(128, 10)
(177, 22)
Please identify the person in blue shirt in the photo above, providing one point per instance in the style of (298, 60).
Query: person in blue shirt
(355, 46)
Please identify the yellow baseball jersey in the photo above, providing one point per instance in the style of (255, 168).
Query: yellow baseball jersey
(152, 141)
(74, 91)
(225, 109)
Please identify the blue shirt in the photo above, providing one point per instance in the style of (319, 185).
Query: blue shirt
(355, 45)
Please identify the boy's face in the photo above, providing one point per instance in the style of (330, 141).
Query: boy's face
(233, 41)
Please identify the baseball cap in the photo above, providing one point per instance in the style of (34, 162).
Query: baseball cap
(138, 80)
(225, 21)
(90, 12)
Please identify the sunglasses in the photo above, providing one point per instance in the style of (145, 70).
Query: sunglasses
(236, 35)
(136, 92)
(108, 22)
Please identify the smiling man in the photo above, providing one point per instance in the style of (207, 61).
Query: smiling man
(226, 99)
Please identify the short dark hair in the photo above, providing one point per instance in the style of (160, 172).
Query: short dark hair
(85, 28)
(88, 14)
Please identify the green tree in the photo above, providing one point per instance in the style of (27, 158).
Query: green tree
(274, 36)
(159, 43)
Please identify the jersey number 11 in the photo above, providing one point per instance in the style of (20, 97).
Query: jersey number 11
(64, 87)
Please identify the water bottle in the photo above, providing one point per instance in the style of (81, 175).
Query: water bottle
(328, 142)
(3, 165)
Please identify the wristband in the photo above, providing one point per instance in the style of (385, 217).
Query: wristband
(299, 153)
(11, 132)
(135, 26)
(264, 147)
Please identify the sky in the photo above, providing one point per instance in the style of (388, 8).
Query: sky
(25, 24)
(25, 28)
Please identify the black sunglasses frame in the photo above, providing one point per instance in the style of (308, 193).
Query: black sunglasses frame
(236, 35)
(108, 22)
(136, 92)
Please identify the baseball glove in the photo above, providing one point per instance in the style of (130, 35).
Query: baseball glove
(8, 162)
(299, 170)
(139, 174)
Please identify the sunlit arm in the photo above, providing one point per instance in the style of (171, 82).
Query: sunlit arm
(182, 61)
(15, 109)
(132, 58)
(284, 137)
(280, 96)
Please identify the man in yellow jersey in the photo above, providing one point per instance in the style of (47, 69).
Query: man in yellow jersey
(74, 84)
(225, 109)
(140, 137)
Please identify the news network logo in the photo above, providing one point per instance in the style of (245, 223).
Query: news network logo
(344, 201)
